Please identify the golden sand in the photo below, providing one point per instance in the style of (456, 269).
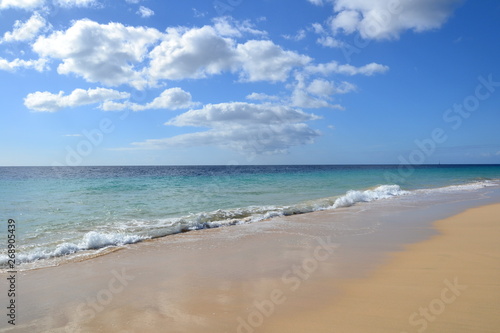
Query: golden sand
(450, 283)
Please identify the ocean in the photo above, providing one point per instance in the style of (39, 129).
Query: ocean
(63, 213)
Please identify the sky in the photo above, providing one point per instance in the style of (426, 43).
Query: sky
(201, 82)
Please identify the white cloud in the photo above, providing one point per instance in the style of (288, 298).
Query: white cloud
(114, 54)
(76, 3)
(300, 98)
(262, 60)
(104, 53)
(244, 127)
(317, 94)
(25, 31)
(21, 4)
(382, 19)
(172, 99)
(191, 53)
(345, 87)
(262, 97)
(10, 66)
(329, 41)
(224, 114)
(324, 88)
(200, 52)
(347, 20)
(325, 38)
(145, 12)
(334, 67)
(227, 26)
(133, 1)
(48, 102)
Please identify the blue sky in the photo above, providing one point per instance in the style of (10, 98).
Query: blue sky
(119, 82)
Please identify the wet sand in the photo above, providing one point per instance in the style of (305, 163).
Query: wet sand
(331, 271)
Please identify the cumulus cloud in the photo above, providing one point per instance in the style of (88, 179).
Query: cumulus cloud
(334, 67)
(191, 53)
(244, 127)
(172, 99)
(21, 4)
(382, 19)
(200, 52)
(347, 20)
(10, 66)
(309, 91)
(25, 31)
(113, 54)
(145, 12)
(49, 102)
(262, 60)
(106, 53)
(316, 94)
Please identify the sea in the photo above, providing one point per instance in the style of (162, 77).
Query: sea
(64, 213)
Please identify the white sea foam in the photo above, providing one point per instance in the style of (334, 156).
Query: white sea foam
(462, 187)
(91, 241)
(380, 192)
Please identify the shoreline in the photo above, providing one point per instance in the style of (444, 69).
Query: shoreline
(218, 280)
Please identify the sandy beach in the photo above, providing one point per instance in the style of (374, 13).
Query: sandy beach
(301, 273)
(450, 283)
(249, 166)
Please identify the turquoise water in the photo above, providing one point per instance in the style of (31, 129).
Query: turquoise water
(65, 211)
